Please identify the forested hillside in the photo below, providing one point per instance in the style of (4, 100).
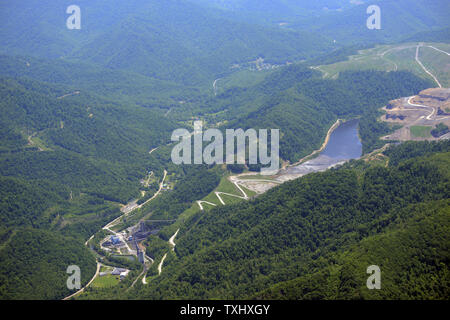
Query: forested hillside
(72, 156)
(193, 42)
(67, 161)
(81, 133)
(34, 263)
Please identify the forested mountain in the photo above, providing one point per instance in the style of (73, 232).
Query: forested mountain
(85, 130)
(194, 43)
(314, 237)
(67, 154)
(344, 20)
(34, 264)
(68, 159)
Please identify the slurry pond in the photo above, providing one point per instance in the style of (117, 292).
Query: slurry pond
(343, 145)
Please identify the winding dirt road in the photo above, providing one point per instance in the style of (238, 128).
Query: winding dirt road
(423, 67)
(161, 264)
(87, 285)
(232, 179)
(69, 94)
(433, 110)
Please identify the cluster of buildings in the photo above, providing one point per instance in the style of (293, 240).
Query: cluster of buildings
(121, 272)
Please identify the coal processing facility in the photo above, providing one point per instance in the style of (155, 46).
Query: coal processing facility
(141, 231)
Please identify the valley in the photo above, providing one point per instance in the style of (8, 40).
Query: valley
(88, 177)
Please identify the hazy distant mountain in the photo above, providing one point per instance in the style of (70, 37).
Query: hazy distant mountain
(399, 19)
(343, 20)
(279, 7)
(170, 39)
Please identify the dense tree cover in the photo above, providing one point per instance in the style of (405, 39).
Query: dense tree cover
(400, 19)
(274, 11)
(34, 264)
(148, 194)
(167, 40)
(323, 229)
(118, 85)
(43, 204)
(77, 173)
(156, 247)
(23, 203)
(440, 130)
(236, 168)
(342, 22)
(83, 220)
(81, 110)
(196, 182)
(122, 262)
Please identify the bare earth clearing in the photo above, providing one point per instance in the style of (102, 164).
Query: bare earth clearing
(429, 108)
